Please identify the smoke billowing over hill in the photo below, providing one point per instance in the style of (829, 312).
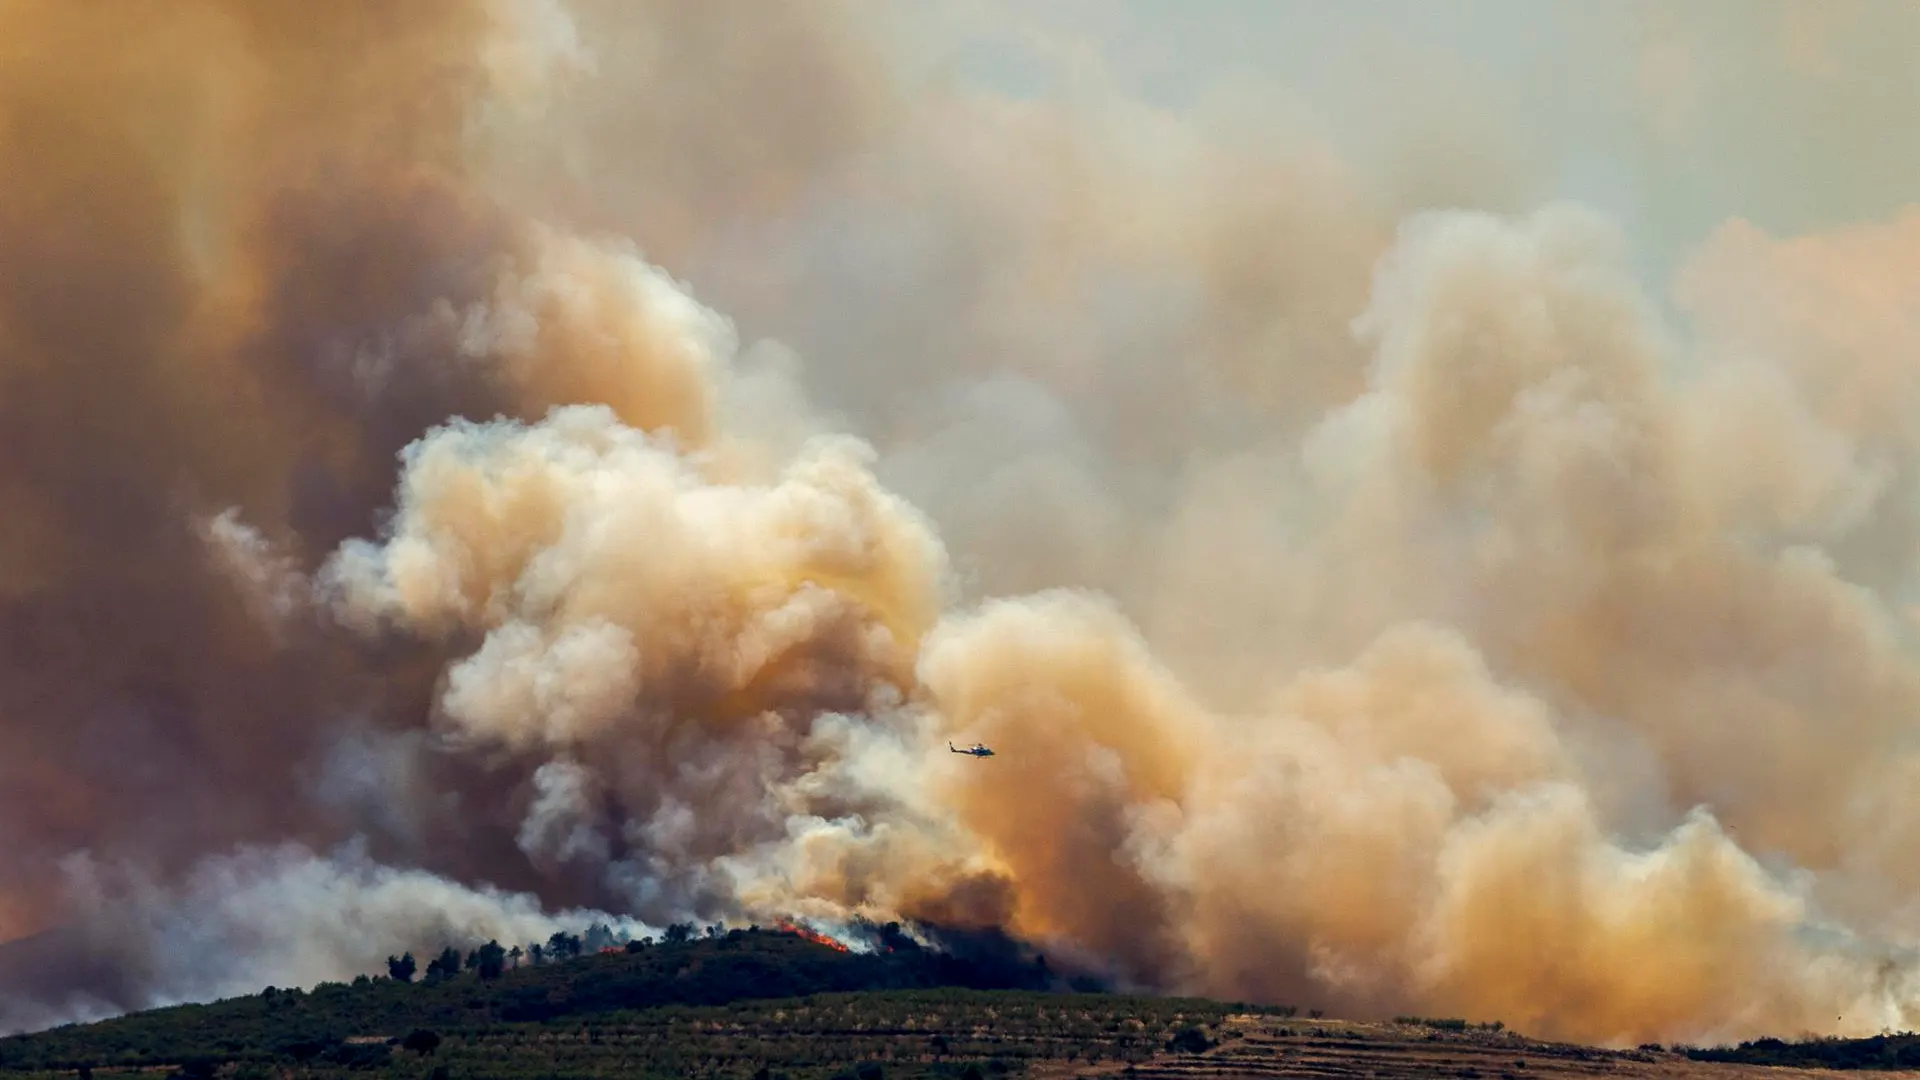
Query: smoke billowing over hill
(1378, 605)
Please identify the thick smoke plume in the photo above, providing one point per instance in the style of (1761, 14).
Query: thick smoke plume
(1378, 599)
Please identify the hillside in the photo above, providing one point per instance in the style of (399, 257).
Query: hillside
(777, 1004)
(292, 1026)
(1252, 1046)
(736, 1004)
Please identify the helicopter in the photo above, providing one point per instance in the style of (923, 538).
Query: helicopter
(977, 749)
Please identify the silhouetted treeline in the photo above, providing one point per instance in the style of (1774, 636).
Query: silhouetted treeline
(986, 957)
(1900, 1051)
(490, 961)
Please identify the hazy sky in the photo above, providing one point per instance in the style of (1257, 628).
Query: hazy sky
(1672, 117)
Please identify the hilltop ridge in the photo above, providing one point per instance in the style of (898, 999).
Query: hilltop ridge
(724, 967)
(788, 1003)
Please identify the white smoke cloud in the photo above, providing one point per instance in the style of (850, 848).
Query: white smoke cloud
(269, 580)
(287, 916)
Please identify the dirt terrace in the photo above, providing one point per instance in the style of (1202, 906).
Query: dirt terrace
(1250, 1047)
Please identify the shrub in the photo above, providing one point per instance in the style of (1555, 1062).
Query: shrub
(1190, 1040)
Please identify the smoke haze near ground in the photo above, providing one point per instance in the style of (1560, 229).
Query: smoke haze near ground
(1418, 544)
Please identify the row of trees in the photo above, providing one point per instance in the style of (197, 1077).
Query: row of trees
(489, 960)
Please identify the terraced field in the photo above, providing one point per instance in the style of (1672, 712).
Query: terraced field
(902, 1034)
(1249, 1047)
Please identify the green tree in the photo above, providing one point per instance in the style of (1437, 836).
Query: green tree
(489, 960)
(444, 966)
(401, 969)
(599, 936)
(1190, 1040)
(422, 1041)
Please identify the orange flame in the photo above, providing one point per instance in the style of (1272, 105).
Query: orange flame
(813, 936)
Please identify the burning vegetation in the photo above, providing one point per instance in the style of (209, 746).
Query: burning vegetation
(815, 936)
